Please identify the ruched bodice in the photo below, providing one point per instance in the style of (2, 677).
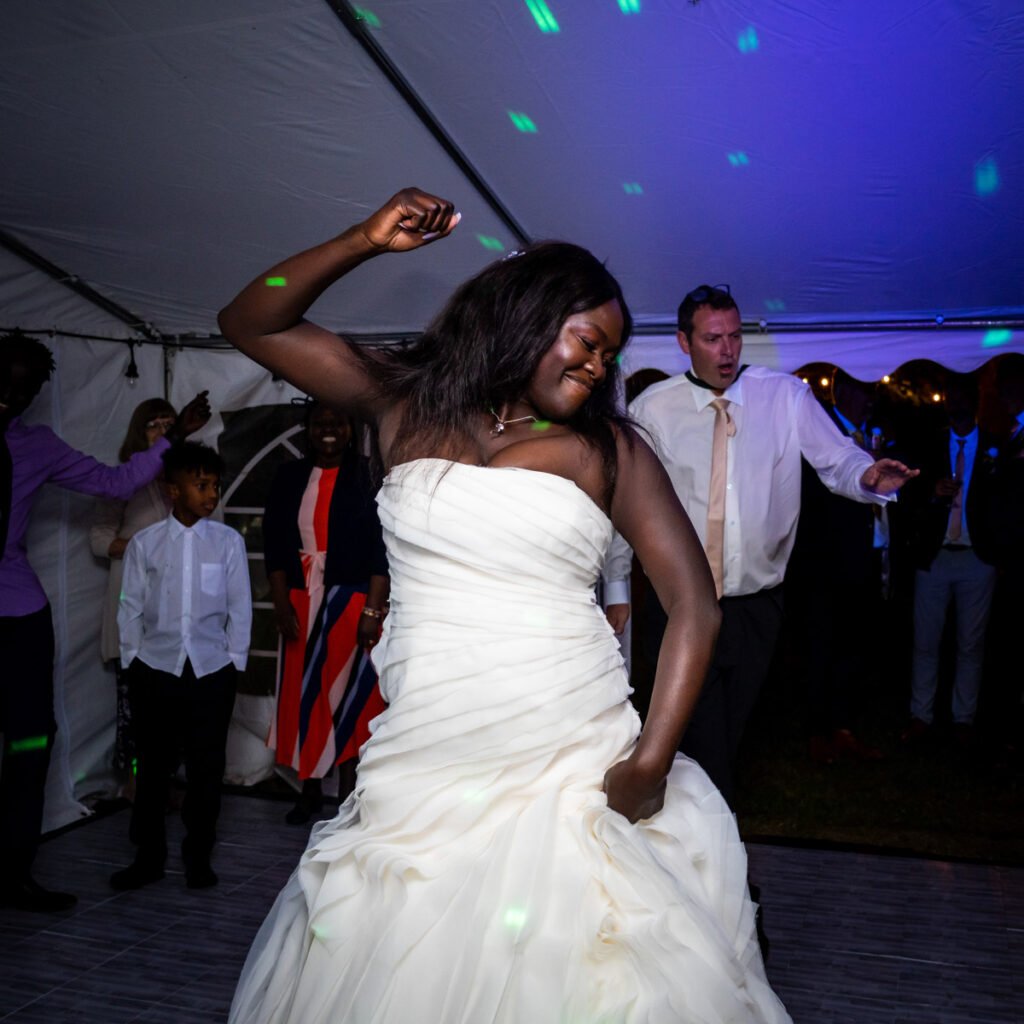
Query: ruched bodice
(477, 875)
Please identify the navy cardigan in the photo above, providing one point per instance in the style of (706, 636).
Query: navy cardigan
(355, 548)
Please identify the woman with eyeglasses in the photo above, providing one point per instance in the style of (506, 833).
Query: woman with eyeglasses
(114, 524)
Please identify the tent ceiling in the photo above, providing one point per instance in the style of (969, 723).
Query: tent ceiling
(829, 160)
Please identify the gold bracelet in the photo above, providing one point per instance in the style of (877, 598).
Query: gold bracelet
(374, 613)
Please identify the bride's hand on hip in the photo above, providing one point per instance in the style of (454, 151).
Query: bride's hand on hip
(632, 792)
(408, 220)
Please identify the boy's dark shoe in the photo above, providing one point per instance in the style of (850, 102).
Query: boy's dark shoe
(135, 876)
(200, 876)
(27, 894)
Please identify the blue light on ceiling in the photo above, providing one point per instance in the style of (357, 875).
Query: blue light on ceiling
(747, 40)
(986, 177)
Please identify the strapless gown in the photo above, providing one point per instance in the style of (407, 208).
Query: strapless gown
(476, 874)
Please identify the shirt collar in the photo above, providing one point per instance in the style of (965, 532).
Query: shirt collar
(703, 396)
(177, 528)
(954, 436)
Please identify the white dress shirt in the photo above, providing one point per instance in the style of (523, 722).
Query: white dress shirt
(777, 420)
(185, 594)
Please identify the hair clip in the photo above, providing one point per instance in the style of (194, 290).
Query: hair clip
(512, 254)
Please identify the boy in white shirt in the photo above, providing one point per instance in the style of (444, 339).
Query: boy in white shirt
(184, 622)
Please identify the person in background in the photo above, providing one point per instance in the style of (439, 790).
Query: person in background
(327, 568)
(1000, 501)
(185, 619)
(31, 456)
(114, 524)
(731, 438)
(951, 553)
(835, 577)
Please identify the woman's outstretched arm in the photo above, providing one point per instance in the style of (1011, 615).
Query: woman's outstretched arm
(648, 514)
(265, 320)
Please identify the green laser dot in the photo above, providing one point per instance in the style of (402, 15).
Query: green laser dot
(522, 122)
(540, 425)
(515, 917)
(362, 14)
(542, 15)
(29, 743)
(996, 337)
(489, 242)
(629, 6)
(275, 282)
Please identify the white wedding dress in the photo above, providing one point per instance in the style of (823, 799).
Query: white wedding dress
(477, 875)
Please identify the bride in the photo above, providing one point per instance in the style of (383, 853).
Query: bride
(516, 849)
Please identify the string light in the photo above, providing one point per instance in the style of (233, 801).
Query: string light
(132, 373)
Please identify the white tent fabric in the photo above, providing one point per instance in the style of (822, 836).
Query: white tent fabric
(835, 163)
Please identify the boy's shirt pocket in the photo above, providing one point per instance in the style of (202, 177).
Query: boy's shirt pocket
(212, 579)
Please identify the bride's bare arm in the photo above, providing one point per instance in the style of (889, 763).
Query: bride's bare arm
(648, 514)
(265, 321)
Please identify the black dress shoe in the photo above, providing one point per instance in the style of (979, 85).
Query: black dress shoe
(303, 810)
(28, 894)
(200, 876)
(135, 876)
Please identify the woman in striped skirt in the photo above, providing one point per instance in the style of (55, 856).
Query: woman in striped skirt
(327, 569)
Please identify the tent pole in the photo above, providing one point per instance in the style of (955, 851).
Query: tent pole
(357, 27)
(30, 256)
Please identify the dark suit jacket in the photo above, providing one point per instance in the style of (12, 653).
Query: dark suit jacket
(835, 538)
(355, 546)
(999, 505)
(926, 517)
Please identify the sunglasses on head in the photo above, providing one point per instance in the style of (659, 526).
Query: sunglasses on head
(703, 294)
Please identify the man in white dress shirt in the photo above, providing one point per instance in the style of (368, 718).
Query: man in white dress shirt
(184, 621)
(731, 438)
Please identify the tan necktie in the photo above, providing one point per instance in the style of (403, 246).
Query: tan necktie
(956, 510)
(714, 542)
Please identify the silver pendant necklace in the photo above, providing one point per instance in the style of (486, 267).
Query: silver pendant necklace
(499, 424)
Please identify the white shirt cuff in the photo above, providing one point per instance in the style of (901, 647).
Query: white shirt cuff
(616, 592)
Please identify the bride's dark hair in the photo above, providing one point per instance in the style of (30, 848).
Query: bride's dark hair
(481, 351)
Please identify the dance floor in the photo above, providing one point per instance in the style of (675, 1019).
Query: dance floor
(856, 938)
